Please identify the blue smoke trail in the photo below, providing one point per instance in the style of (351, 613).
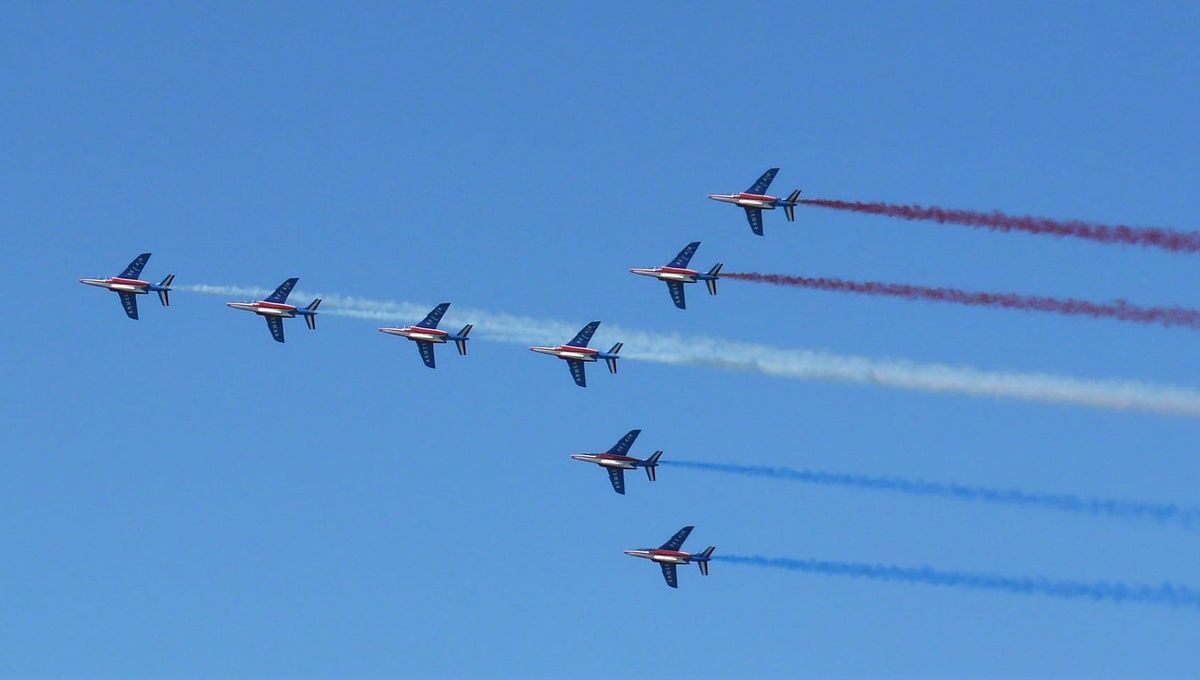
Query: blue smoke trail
(1098, 507)
(1163, 594)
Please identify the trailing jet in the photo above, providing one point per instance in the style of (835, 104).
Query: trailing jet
(616, 461)
(754, 200)
(426, 333)
(676, 274)
(275, 309)
(128, 286)
(576, 353)
(668, 556)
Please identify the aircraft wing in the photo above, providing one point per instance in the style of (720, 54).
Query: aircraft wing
(426, 349)
(129, 302)
(761, 185)
(754, 215)
(434, 317)
(677, 540)
(675, 288)
(681, 260)
(275, 325)
(617, 477)
(621, 448)
(584, 336)
(670, 575)
(282, 292)
(134, 269)
(577, 372)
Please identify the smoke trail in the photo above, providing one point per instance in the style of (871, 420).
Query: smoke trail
(1097, 507)
(1167, 239)
(1110, 591)
(1119, 309)
(784, 363)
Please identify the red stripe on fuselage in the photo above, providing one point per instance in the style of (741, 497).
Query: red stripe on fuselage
(677, 270)
(129, 282)
(613, 456)
(425, 331)
(275, 305)
(756, 197)
(670, 553)
(581, 350)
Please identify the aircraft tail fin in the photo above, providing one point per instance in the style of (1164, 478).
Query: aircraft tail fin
(703, 558)
(461, 339)
(310, 314)
(711, 277)
(789, 205)
(611, 357)
(164, 290)
(652, 465)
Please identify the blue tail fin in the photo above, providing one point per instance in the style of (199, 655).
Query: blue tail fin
(651, 465)
(461, 339)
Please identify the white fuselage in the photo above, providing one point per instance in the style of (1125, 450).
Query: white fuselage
(568, 352)
(662, 556)
(671, 274)
(417, 333)
(607, 460)
(263, 308)
(746, 200)
(120, 285)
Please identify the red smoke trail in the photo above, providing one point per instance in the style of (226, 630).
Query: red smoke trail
(1168, 239)
(1119, 309)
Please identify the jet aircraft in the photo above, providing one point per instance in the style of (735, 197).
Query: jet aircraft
(617, 460)
(668, 556)
(275, 309)
(576, 353)
(676, 274)
(755, 200)
(426, 333)
(128, 286)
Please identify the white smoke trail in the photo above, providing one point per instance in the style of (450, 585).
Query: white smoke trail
(798, 364)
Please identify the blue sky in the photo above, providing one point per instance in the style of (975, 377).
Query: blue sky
(183, 496)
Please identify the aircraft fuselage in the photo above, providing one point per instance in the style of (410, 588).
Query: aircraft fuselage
(120, 285)
(264, 308)
(607, 460)
(662, 556)
(417, 333)
(568, 353)
(672, 274)
(745, 200)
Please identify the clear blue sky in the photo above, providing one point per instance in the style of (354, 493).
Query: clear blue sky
(180, 495)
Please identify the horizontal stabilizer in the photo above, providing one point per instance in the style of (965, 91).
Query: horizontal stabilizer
(652, 465)
(611, 357)
(711, 278)
(461, 340)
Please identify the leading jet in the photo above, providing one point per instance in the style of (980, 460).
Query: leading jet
(617, 460)
(676, 274)
(576, 353)
(275, 309)
(128, 286)
(426, 333)
(755, 200)
(668, 556)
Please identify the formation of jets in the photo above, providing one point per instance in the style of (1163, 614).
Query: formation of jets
(426, 334)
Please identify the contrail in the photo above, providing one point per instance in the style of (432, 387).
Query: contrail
(1167, 239)
(797, 364)
(1118, 309)
(1097, 507)
(1110, 591)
